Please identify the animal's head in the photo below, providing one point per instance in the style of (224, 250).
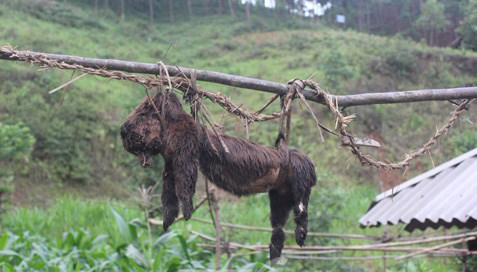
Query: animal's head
(141, 132)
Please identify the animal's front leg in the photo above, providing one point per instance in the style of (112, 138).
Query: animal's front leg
(280, 206)
(170, 202)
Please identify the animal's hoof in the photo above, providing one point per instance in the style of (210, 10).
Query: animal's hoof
(187, 211)
(187, 216)
(274, 254)
(169, 218)
(300, 236)
(167, 223)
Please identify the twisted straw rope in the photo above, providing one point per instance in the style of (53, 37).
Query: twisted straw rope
(343, 121)
(180, 83)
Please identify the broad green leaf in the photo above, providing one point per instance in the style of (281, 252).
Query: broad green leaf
(163, 239)
(196, 265)
(225, 267)
(8, 252)
(174, 264)
(123, 227)
(3, 241)
(69, 240)
(133, 232)
(138, 223)
(184, 246)
(6, 267)
(133, 253)
(100, 239)
(158, 260)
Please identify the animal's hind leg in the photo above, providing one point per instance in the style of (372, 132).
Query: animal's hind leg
(303, 177)
(170, 202)
(300, 209)
(301, 189)
(280, 206)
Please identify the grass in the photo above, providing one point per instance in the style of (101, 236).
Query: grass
(70, 216)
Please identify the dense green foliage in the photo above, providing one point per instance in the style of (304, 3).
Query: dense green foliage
(468, 27)
(77, 150)
(432, 19)
(439, 21)
(16, 143)
(127, 246)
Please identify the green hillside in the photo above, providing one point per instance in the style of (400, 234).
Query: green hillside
(78, 152)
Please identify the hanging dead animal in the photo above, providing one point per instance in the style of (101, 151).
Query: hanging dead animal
(247, 168)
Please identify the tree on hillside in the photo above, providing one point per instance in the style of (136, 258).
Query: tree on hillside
(16, 142)
(248, 4)
(123, 16)
(432, 19)
(210, 7)
(220, 7)
(106, 4)
(171, 11)
(232, 9)
(468, 27)
(189, 8)
(151, 12)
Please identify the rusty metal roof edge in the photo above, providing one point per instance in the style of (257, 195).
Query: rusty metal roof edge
(425, 175)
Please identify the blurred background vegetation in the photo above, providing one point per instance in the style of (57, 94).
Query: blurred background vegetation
(67, 185)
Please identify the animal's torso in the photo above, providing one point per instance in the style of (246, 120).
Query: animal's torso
(248, 168)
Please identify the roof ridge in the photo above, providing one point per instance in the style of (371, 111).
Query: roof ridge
(396, 189)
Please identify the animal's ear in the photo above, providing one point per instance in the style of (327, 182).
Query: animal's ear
(123, 131)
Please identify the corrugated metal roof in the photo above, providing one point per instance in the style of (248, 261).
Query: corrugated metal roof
(444, 196)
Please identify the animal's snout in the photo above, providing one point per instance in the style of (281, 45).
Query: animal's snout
(144, 159)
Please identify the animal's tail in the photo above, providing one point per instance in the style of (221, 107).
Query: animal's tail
(281, 143)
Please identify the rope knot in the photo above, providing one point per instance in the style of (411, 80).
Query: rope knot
(294, 86)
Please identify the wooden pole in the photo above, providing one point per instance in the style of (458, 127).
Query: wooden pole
(311, 234)
(317, 249)
(258, 84)
(218, 247)
(435, 248)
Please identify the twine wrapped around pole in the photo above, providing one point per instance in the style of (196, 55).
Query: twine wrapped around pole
(342, 122)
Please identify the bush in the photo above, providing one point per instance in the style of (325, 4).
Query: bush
(118, 244)
(336, 69)
(396, 60)
(16, 142)
(468, 28)
(464, 142)
(58, 12)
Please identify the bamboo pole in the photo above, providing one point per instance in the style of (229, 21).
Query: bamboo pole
(252, 83)
(436, 248)
(299, 250)
(215, 209)
(334, 249)
(415, 240)
(314, 234)
(160, 223)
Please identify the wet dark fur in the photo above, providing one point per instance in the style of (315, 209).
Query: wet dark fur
(247, 169)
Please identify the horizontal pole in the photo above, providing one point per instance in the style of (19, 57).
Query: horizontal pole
(259, 84)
